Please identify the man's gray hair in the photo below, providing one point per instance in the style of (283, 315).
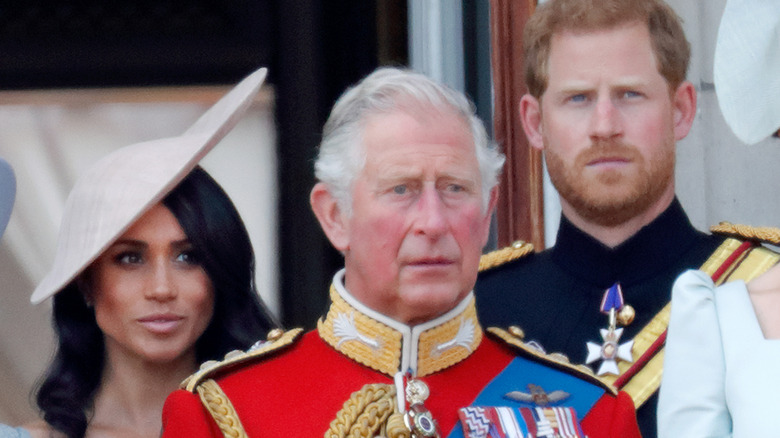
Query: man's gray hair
(342, 155)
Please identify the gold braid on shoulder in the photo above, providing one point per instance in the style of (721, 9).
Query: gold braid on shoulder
(369, 412)
(764, 234)
(504, 255)
(221, 409)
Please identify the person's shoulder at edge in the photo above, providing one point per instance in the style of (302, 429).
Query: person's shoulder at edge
(31, 430)
(514, 339)
(186, 414)
(613, 413)
(278, 341)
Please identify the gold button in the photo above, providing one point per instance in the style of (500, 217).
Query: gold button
(559, 357)
(626, 315)
(517, 332)
(275, 334)
(208, 364)
(585, 369)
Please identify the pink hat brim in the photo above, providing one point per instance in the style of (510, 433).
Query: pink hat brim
(112, 194)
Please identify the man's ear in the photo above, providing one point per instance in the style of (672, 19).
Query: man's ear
(531, 119)
(684, 107)
(329, 214)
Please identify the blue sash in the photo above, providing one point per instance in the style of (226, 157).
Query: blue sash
(521, 372)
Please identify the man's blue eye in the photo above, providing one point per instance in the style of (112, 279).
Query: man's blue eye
(399, 190)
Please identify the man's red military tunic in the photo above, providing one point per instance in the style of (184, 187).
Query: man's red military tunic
(298, 388)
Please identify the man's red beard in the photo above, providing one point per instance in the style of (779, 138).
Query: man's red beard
(613, 196)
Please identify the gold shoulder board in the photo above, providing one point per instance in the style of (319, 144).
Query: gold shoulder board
(742, 256)
(277, 339)
(747, 232)
(505, 255)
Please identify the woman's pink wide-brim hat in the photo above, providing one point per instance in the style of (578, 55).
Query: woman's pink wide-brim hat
(112, 194)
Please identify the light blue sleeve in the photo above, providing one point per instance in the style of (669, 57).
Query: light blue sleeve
(13, 432)
(692, 401)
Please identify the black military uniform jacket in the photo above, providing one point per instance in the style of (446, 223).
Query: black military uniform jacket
(554, 295)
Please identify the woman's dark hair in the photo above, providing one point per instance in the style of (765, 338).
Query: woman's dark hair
(222, 246)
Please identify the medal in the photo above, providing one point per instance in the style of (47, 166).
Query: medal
(609, 352)
(418, 418)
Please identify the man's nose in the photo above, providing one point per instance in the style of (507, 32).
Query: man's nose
(605, 120)
(430, 219)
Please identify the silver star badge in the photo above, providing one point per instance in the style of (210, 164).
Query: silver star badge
(610, 352)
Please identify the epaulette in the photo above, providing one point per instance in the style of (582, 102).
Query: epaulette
(276, 339)
(514, 337)
(746, 232)
(501, 256)
(742, 256)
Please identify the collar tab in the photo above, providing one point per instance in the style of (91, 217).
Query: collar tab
(390, 346)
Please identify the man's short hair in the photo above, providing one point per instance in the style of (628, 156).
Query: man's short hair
(342, 154)
(672, 50)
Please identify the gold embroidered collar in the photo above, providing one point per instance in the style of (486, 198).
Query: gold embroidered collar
(389, 346)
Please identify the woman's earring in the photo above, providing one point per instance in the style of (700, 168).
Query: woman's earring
(86, 293)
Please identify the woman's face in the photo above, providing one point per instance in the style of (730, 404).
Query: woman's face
(152, 298)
